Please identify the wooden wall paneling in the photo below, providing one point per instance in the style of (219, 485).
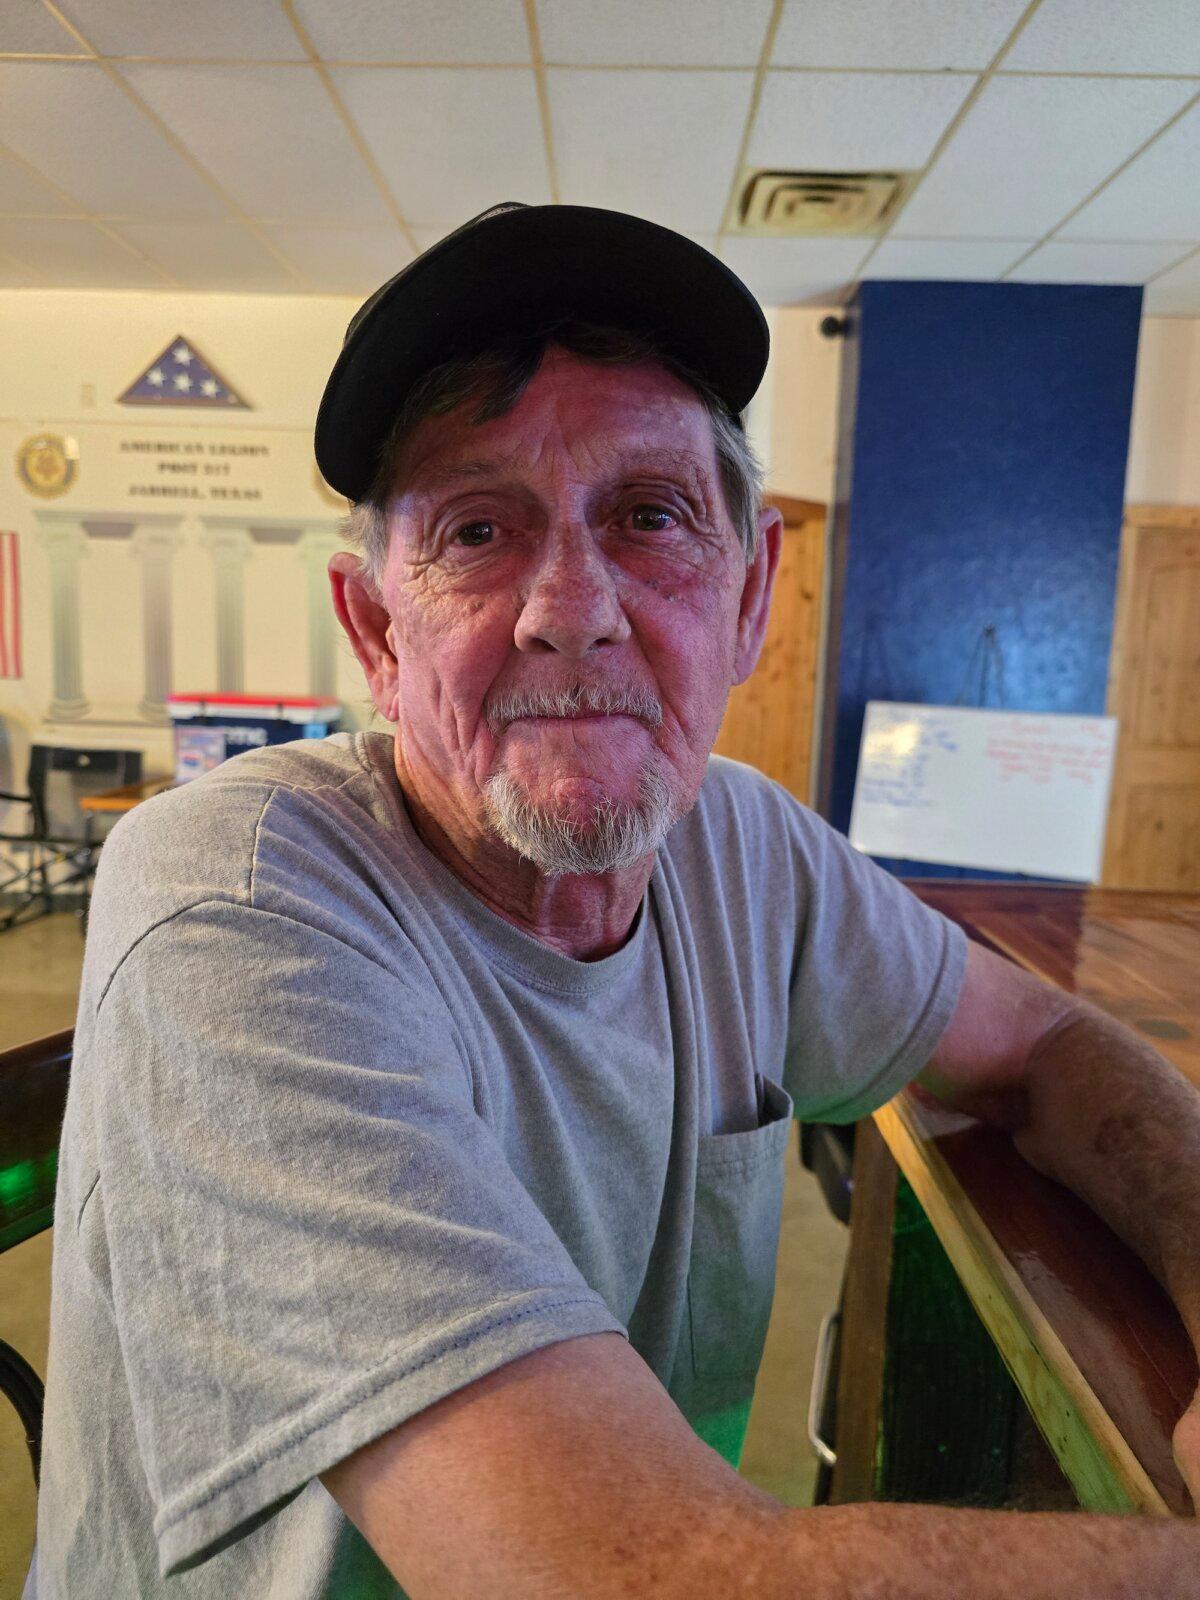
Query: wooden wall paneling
(1153, 837)
(769, 720)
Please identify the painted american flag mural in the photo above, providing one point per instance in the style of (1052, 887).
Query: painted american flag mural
(10, 606)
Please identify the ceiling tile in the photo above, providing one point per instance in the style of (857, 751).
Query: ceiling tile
(847, 120)
(675, 33)
(1031, 148)
(973, 260)
(1107, 36)
(269, 135)
(30, 27)
(77, 127)
(1156, 197)
(784, 272)
(21, 191)
(68, 254)
(227, 29)
(419, 30)
(660, 144)
(1176, 293)
(211, 255)
(450, 141)
(894, 33)
(344, 260)
(1068, 262)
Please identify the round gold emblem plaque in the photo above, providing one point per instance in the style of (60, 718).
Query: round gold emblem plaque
(48, 464)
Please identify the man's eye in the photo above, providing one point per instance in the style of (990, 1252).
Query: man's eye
(651, 519)
(474, 534)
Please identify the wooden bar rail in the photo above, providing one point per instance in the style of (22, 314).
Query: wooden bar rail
(1093, 1343)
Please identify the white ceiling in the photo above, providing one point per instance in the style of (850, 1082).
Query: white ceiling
(312, 146)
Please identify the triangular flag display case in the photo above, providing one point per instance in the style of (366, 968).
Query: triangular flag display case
(180, 376)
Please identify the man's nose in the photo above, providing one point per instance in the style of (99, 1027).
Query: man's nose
(572, 605)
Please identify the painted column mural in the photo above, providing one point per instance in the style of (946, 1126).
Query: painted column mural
(316, 544)
(62, 537)
(230, 548)
(154, 545)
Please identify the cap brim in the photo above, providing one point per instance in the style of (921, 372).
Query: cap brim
(513, 272)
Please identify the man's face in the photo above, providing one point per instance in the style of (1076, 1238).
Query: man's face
(564, 585)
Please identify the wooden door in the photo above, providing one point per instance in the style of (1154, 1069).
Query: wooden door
(1153, 839)
(769, 720)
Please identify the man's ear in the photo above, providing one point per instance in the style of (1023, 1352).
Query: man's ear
(366, 623)
(756, 594)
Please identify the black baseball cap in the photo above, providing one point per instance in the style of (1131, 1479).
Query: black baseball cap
(513, 270)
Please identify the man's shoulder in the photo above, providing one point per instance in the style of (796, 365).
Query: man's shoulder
(222, 808)
(740, 800)
(204, 841)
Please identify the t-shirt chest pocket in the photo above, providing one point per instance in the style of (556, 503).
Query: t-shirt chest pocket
(731, 1277)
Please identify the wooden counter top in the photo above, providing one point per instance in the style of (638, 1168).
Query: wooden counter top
(1092, 1341)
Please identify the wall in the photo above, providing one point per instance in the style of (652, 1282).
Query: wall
(65, 357)
(797, 415)
(1164, 446)
(800, 438)
(981, 485)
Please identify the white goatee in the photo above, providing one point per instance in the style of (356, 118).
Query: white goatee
(611, 839)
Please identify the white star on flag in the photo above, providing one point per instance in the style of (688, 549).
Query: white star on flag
(209, 387)
(183, 381)
(182, 354)
(155, 377)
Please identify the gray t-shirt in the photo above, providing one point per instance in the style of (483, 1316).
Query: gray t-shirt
(340, 1140)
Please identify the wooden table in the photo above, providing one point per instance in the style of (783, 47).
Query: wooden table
(1092, 1343)
(115, 802)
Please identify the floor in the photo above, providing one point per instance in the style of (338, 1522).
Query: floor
(39, 975)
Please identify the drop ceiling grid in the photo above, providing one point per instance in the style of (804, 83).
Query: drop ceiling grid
(113, 78)
(981, 183)
(876, 48)
(453, 140)
(617, 141)
(274, 143)
(1156, 197)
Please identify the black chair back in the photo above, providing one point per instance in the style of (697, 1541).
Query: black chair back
(60, 774)
(33, 1098)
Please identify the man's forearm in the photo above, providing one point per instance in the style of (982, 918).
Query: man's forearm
(1118, 1124)
(903, 1552)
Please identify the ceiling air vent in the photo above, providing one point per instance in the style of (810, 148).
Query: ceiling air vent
(805, 204)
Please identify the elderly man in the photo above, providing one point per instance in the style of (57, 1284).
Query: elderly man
(422, 1166)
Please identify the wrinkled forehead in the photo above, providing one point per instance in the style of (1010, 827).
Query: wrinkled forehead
(576, 416)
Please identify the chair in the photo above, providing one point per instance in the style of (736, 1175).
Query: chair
(33, 1098)
(55, 849)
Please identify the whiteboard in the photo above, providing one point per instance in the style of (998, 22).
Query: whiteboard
(1010, 791)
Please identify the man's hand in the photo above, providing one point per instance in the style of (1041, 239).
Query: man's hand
(1186, 1445)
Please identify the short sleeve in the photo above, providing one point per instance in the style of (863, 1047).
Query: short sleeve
(311, 1235)
(876, 978)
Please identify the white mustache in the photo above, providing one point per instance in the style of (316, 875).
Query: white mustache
(581, 699)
